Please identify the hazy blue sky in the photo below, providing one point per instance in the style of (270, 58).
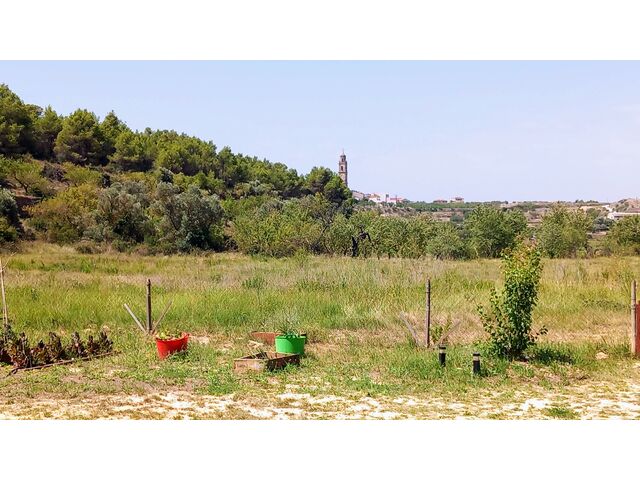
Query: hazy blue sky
(423, 130)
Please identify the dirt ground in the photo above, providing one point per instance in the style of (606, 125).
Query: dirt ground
(588, 401)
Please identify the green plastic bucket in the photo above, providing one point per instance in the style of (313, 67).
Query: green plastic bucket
(290, 343)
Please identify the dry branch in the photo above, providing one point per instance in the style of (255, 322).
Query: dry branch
(155, 329)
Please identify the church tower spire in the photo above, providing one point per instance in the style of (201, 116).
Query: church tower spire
(342, 168)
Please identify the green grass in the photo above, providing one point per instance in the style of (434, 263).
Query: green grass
(349, 307)
(562, 413)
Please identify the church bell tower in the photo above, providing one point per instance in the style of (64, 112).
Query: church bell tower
(342, 168)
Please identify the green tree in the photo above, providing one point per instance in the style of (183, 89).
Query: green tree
(625, 234)
(121, 213)
(278, 229)
(445, 241)
(281, 179)
(317, 179)
(26, 174)
(184, 154)
(337, 241)
(189, 219)
(232, 169)
(76, 175)
(80, 141)
(132, 151)
(45, 131)
(563, 233)
(509, 319)
(490, 231)
(16, 123)
(10, 226)
(336, 191)
(110, 128)
(65, 217)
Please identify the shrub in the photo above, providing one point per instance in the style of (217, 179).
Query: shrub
(491, 231)
(9, 208)
(625, 235)
(509, 318)
(445, 241)
(25, 173)
(121, 215)
(563, 233)
(278, 229)
(8, 233)
(337, 240)
(76, 175)
(10, 227)
(80, 140)
(188, 220)
(65, 217)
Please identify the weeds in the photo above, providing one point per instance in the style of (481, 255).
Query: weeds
(562, 413)
(348, 307)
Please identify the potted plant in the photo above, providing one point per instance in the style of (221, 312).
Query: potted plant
(290, 340)
(170, 342)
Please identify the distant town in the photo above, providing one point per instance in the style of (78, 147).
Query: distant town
(455, 209)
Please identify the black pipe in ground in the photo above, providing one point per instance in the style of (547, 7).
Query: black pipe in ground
(476, 363)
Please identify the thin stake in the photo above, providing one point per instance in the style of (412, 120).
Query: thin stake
(134, 318)
(411, 330)
(634, 320)
(155, 328)
(427, 320)
(5, 312)
(149, 321)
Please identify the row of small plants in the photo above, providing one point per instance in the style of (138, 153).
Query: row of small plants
(15, 348)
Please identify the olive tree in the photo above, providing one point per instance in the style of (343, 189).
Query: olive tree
(188, 219)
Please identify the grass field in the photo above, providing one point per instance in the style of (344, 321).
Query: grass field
(360, 361)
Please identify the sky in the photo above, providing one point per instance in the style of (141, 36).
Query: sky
(421, 130)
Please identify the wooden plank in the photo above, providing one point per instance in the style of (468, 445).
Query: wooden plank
(268, 338)
(264, 361)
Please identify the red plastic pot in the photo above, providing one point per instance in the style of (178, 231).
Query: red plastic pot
(168, 347)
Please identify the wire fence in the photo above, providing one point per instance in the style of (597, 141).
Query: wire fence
(455, 320)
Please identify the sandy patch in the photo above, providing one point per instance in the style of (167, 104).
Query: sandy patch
(590, 401)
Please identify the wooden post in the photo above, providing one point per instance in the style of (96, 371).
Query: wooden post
(5, 312)
(149, 321)
(427, 321)
(635, 341)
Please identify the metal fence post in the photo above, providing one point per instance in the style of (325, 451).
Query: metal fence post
(427, 320)
(149, 321)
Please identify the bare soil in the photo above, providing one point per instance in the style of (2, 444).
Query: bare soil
(588, 401)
